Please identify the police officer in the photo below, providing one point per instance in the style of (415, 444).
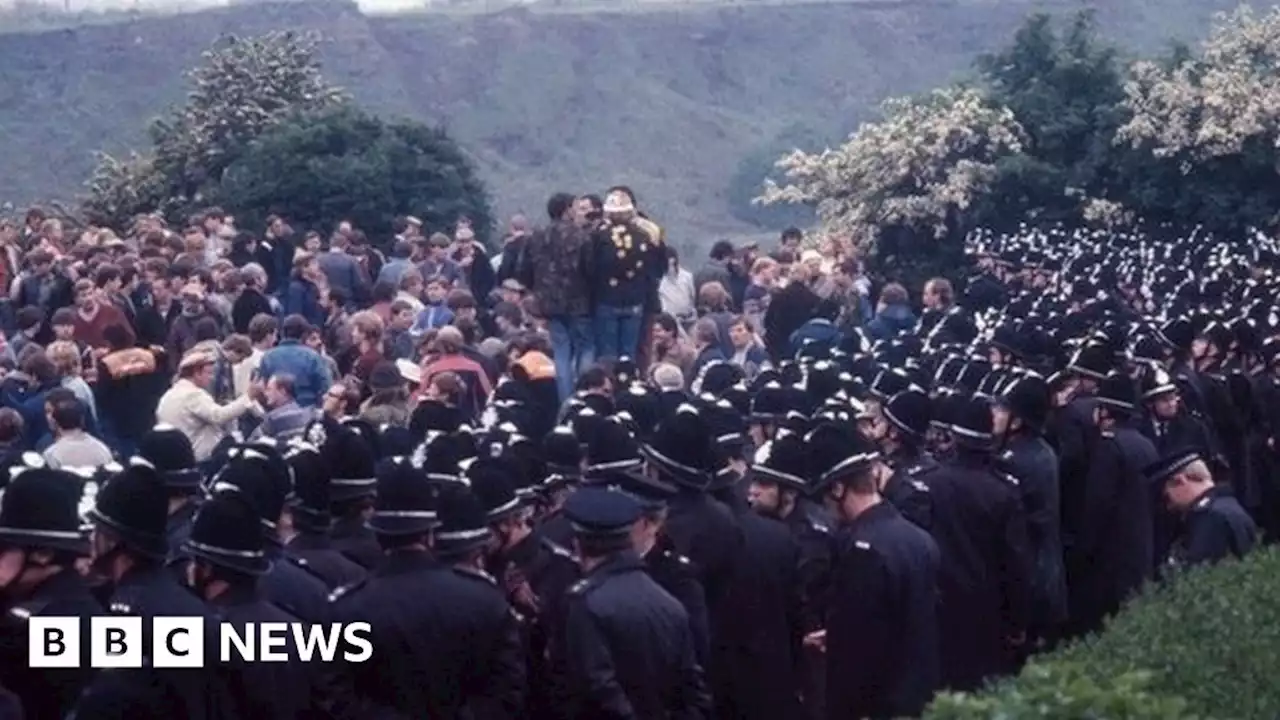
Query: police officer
(442, 637)
(227, 561)
(40, 531)
(310, 521)
(1214, 525)
(881, 635)
(533, 571)
(674, 572)
(169, 450)
(702, 528)
(1114, 552)
(1021, 409)
(129, 549)
(627, 645)
(1167, 423)
(898, 430)
(756, 670)
(1073, 433)
(778, 490)
(347, 448)
(981, 531)
(261, 474)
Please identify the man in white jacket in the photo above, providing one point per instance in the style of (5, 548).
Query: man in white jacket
(189, 407)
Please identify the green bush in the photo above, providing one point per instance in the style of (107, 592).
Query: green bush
(1064, 691)
(1206, 644)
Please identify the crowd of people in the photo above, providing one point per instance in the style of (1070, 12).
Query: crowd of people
(575, 479)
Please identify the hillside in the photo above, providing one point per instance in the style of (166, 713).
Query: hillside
(666, 100)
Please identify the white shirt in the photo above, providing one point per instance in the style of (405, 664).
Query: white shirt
(677, 295)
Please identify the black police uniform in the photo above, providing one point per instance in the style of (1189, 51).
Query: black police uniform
(627, 646)
(1215, 528)
(811, 528)
(291, 584)
(536, 574)
(882, 629)
(676, 574)
(324, 561)
(1114, 551)
(981, 530)
(134, 506)
(756, 667)
(444, 643)
(39, 511)
(226, 535)
(353, 539)
(436, 636)
(910, 495)
(312, 519)
(177, 530)
(46, 692)
(1030, 459)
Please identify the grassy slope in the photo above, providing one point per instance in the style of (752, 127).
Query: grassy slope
(666, 100)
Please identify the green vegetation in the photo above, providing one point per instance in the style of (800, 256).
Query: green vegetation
(347, 165)
(1058, 127)
(1205, 645)
(668, 101)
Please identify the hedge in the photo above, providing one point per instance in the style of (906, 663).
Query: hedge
(1205, 645)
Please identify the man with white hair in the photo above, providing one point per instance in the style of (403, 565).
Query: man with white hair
(1215, 526)
(668, 377)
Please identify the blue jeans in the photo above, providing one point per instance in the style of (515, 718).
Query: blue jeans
(618, 331)
(574, 347)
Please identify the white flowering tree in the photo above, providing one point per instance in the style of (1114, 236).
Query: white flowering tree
(242, 88)
(927, 159)
(1210, 125)
(1211, 106)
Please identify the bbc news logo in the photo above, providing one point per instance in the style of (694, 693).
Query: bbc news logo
(179, 642)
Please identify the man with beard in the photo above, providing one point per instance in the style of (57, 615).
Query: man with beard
(40, 541)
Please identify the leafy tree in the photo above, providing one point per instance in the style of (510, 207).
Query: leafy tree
(347, 165)
(919, 169)
(1214, 123)
(1066, 90)
(242, 88)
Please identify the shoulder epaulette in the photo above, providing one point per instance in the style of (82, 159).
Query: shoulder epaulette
(580, 587)
(819, 527)
(1202, 503)
(120, 608)
(677, 557)
(862, 545)
(475, 574)
(1108, 434)
(557, 549)
(918, 486)
(1006, 455)
(346, 590)
(1009, 479)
